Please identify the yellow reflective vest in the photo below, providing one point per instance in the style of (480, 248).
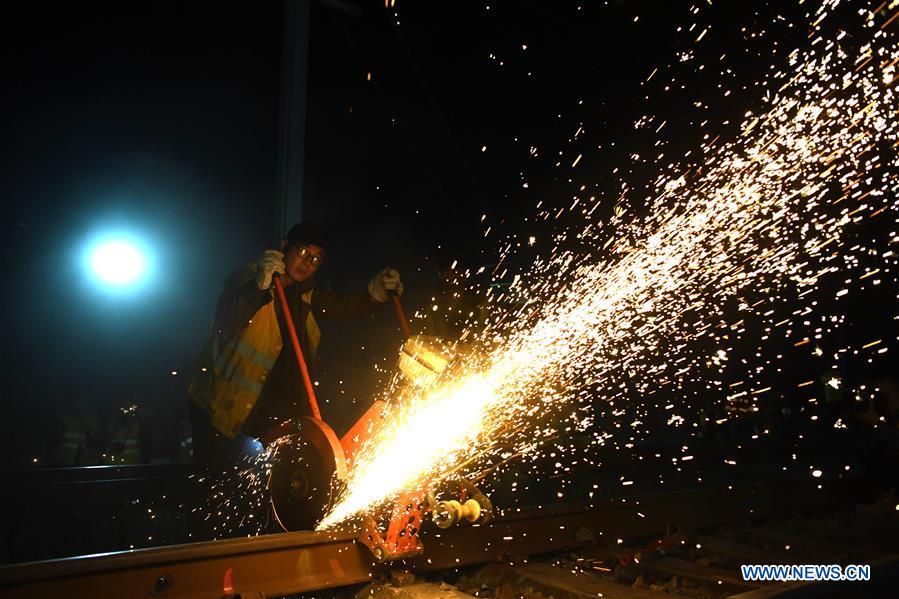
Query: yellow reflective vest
(74, 448)
(234, 367)
(124, 442)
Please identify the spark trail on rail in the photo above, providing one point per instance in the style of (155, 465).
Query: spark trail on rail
(766, 213)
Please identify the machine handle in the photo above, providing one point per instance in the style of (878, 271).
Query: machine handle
(307, 380)
(404, 324)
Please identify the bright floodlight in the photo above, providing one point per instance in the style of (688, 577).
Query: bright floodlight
(117, 262)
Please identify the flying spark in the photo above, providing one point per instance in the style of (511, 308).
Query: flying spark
(766, 215)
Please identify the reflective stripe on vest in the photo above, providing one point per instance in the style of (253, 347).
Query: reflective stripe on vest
(73, 440)
(250, 353)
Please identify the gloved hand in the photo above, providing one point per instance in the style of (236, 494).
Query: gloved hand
(383, 283)
(269, 263)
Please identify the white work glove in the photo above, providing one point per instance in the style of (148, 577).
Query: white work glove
(383, 283)
(269, 263)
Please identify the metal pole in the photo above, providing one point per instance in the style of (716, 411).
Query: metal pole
(294, 62)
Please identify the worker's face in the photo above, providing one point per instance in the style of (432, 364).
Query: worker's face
(301, 261)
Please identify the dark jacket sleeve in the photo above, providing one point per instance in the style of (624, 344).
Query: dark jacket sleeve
(239, 301)
(331, 305)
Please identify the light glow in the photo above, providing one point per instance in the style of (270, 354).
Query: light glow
(117, 263)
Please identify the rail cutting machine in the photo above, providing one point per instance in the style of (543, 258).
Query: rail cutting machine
(310, 463)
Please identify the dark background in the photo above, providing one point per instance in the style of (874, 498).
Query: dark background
(163, 119)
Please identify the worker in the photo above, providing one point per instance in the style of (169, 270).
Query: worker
(124, 435)
(79, 436)
(247, 380)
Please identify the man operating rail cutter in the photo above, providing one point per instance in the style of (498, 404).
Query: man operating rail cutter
(246, 380)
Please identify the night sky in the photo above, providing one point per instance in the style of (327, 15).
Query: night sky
(162, 119)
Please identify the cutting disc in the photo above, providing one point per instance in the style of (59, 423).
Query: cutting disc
(307, 472)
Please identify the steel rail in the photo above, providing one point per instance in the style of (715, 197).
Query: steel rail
(26, 480)
(289, 563)
(279, 564)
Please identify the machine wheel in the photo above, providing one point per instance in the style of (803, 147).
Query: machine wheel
(307, 472)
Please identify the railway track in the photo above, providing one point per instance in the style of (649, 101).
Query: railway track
(699, 563)
(596, 541)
